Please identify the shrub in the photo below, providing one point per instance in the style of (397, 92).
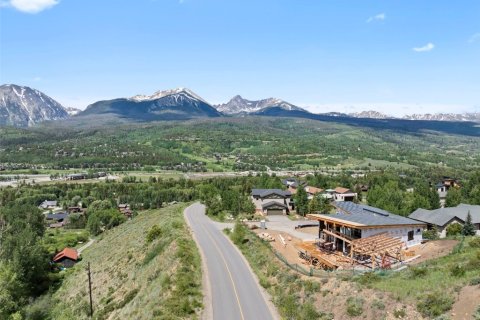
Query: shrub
(239, 233)
(454, 229)
(475, 242)
(476, 316)
(457, 270)
(354, 306)
(368, 277)
(459, 248)
(377, 304)
(475, 281)
(399, 313)
(418, 272)
(474, 262)
(430, 234)
(154, 232)
(434, 304)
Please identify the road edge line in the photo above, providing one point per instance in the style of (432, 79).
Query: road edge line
(266, 296)
(207, 312)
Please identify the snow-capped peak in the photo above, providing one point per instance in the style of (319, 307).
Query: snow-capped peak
(238, 105)
(165, 93)
(22, 106)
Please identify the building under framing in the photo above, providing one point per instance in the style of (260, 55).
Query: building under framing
(366, 235)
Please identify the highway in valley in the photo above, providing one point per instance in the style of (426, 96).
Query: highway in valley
(232, 291)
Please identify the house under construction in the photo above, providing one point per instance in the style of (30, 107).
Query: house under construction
(361, 235)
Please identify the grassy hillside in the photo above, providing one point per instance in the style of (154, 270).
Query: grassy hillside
(134, 278)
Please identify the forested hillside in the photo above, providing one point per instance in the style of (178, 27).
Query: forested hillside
(235, 144)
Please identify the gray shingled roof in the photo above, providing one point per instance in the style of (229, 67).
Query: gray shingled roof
(367, 215)
(262, 193)
(57, 216)
(271, 203)
(442, 216)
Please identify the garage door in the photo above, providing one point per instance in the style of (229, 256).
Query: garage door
(272, 212)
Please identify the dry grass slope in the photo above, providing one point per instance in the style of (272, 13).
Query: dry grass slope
(136, 279)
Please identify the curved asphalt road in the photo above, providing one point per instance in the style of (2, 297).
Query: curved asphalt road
(234, 291)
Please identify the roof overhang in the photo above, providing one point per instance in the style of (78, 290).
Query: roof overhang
(351, 224)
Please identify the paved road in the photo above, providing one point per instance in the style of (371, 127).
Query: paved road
(234, 292)
(283, 224)
(85, 246)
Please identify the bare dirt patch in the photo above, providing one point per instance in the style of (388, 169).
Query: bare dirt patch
(432, 250)
(467, 303)
(309, 230)
(289, 251)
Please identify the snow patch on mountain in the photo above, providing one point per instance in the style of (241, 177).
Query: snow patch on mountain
(239, 105)
(165, 93)
(22, 106)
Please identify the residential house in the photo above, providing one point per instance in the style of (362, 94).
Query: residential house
(75, 210)
(443, 186)
(272, 201)
(67, 257)
(125, 209)
(357, 221)
(343, 194)
(47, 205)
(293, 184)
(312, 191)
(77, 176)
(56, 220)
(443, 217)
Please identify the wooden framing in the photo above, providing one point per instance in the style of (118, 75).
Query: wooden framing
(377, 246)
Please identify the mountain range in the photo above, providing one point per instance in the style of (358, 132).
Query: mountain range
(238, 105)
(22, 106)
(176, 104)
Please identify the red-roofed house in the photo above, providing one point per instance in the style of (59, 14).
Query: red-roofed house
(67, 257)
(312, 191)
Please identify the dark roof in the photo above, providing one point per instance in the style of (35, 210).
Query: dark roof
(367, 215)
(272, 203)
(57, 216)
(442, 216)
(66, 253)
(262, 193)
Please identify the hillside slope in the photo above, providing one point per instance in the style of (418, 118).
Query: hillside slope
(133, 279)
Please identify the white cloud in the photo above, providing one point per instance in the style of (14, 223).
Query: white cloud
(30, 6)
(378, 17)
(475, 37)
(428, 47)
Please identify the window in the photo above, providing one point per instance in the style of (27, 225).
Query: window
(418, 230)
(410, 235)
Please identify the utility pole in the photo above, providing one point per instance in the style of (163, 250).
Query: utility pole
(90, 289)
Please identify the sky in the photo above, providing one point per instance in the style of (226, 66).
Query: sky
(397, 57)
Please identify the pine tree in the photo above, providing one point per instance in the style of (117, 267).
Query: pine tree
(301, 201)
(313, 205)
(468, 227)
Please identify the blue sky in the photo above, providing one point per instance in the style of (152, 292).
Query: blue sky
(393, 56)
